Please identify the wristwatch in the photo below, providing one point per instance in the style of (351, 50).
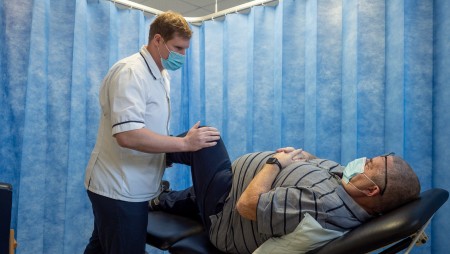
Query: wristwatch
(273, 160)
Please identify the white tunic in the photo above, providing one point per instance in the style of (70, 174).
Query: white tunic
(133, 95)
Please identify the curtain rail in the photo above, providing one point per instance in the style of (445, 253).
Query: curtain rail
(212, 16)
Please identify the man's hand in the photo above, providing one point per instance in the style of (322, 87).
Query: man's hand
(288, 155)
(201, 137)
(302, 156)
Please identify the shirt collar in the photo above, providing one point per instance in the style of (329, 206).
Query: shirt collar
(357, 210)
(153, 68)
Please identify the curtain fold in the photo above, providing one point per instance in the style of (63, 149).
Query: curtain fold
(395, 83)
(341, 79)
(441, 119)
(83, 97)
(33, 177)
(293, 55)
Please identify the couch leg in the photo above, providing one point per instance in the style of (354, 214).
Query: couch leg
(12, 242)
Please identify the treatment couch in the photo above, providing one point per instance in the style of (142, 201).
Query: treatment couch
(399, 229)
(7, 240)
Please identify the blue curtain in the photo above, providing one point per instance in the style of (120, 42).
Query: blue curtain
(341, 79)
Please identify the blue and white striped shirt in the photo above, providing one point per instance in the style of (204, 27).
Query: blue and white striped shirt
(303, 187)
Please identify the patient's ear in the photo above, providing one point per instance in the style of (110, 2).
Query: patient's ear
(372, 190)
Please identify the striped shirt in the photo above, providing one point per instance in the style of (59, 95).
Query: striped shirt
(303, 187)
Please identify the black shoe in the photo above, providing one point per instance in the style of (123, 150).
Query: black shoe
(153, 205)
(165, 186)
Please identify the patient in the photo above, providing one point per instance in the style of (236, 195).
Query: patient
(267, 194)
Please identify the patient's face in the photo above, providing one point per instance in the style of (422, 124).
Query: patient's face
(373, 169)
(378, 167)
(374, 166)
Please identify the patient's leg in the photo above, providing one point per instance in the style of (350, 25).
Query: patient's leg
(211, 177)
(179, 202)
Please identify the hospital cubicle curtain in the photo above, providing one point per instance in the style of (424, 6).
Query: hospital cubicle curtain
(339, 78)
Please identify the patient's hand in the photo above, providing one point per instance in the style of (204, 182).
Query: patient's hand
(288, 155)
(302, 156)
(307, 156)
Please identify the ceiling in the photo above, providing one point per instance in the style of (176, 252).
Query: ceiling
(191, 8)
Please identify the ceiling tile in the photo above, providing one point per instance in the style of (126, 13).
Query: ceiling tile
(174, 5)
(200, 3)
(226, 4)
(191, 8)
(200, 12)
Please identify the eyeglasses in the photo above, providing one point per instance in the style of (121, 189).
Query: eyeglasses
(385, 171)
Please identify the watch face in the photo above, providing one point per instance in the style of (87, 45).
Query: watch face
(271, 160)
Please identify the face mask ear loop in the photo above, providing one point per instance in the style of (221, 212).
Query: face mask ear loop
(368, 179)
(371, 180)
(167, 48)
(357, 188)
(159, 52)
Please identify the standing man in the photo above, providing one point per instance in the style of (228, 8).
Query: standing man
(128, 160)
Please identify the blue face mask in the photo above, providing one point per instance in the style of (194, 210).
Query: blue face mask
(174, 61)
(353, 168)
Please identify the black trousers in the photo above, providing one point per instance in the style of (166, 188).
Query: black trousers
(120, 227)
(211, 177)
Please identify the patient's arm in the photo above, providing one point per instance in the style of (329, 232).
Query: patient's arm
(247, 203)
(262, 183)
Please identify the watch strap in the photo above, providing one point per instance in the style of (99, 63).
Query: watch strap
(274, 160)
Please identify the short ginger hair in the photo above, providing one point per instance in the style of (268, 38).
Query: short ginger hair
(169, 24)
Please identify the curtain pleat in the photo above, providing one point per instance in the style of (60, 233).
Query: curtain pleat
(395, 82)
(80, 138)
(370, 78)
(418, 71)
(341, 79)
(328, 82)
(310, 78)
(59, 69)
(31, 221)
(237, 73)
(289, 57)
(213, 78)
(14, 51)
(349, 128)
(441, 119)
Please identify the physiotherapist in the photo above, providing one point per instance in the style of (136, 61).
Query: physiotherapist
(128, 161)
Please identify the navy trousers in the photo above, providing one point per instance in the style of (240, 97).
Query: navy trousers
(211, 177)
(120, 227)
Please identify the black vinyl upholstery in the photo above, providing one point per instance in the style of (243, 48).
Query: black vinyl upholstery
(389, 228)
(195, 244)
(178, 234)
(5, 216)
(164, 230)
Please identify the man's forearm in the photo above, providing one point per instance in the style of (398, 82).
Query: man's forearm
(144, 140)
(147, 141)
(262, 183)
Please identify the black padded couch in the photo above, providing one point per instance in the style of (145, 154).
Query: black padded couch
(5, 216)
(398, 229)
